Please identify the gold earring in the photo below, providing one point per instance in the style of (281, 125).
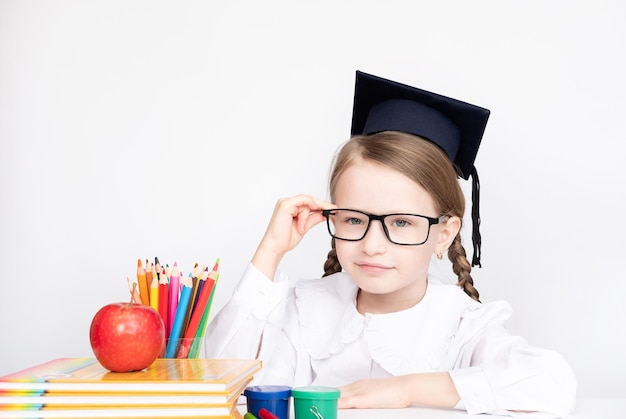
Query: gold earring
(439, 256)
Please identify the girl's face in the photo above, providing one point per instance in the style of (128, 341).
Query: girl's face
(391, 277)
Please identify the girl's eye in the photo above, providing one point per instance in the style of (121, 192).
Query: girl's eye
(401, 223)
(354, 221)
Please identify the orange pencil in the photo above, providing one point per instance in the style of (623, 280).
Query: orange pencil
(164, 288)
(148, 278)
(143, 284)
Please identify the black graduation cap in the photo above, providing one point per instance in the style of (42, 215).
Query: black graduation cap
(455, 126)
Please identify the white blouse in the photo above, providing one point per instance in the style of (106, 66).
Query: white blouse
(309, 332)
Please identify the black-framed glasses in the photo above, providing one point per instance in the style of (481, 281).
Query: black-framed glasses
(403, 229)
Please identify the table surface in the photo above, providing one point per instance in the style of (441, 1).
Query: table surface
(586, 408)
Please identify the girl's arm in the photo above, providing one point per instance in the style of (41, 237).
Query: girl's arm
(292, 218)
(238, 327)
(432, 389)
(489, 371)
(259, 322)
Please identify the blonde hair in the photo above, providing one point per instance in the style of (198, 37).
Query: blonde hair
(424, 163)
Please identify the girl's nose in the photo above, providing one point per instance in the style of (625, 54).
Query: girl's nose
(375, 240)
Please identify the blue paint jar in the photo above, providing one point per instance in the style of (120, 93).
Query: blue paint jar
(271, 397)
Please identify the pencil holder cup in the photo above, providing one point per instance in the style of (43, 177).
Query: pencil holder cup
(271, 397)
(184, 348)
(314, 402)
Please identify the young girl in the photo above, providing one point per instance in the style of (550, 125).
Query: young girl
(375, 326)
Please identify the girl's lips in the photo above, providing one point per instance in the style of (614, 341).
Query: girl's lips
(372, 267)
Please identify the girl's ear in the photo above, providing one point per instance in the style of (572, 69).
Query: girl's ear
(447, 232)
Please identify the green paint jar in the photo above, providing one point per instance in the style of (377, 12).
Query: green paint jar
(315, 402)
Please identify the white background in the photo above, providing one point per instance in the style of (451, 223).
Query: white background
(135, 129)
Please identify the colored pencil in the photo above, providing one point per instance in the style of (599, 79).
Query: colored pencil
(193, 353)
(179, 319)
(203, 276)
(207, 310)
(143, 284)
(198, 312)
(148, 269)
(266, 414)
(157, 267)
(192, 298)
(200, 333)
(183, 302)
(174, 292)
(164, 294)
(154, 272)
(154, 293)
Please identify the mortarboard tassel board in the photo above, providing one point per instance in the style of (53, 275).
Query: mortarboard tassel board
(455, 126)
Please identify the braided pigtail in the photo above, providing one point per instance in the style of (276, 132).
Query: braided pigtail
(332, 264)
(462, 267)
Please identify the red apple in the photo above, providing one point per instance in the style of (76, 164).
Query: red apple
(126, 336)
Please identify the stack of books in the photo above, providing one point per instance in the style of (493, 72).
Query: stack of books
(169, 388)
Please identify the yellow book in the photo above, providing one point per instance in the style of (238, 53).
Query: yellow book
(82, 388)
(127, 413)
(163, 376)
(52, 399)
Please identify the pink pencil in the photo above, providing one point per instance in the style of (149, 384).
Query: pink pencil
(174, 291)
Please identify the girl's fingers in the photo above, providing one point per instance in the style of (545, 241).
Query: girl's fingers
(300, 202)
(305, 211)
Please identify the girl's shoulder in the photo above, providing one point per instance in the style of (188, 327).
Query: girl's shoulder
(452, 298)
(449, 294)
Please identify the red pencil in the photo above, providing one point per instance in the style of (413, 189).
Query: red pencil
(196, 315)
(164, 288)
(266, 414)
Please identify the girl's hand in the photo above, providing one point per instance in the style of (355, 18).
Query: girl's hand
(429, 389)
(292, 218)
(378, 393)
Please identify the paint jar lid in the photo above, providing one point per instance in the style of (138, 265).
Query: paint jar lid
(316, 392)
(267, 392)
